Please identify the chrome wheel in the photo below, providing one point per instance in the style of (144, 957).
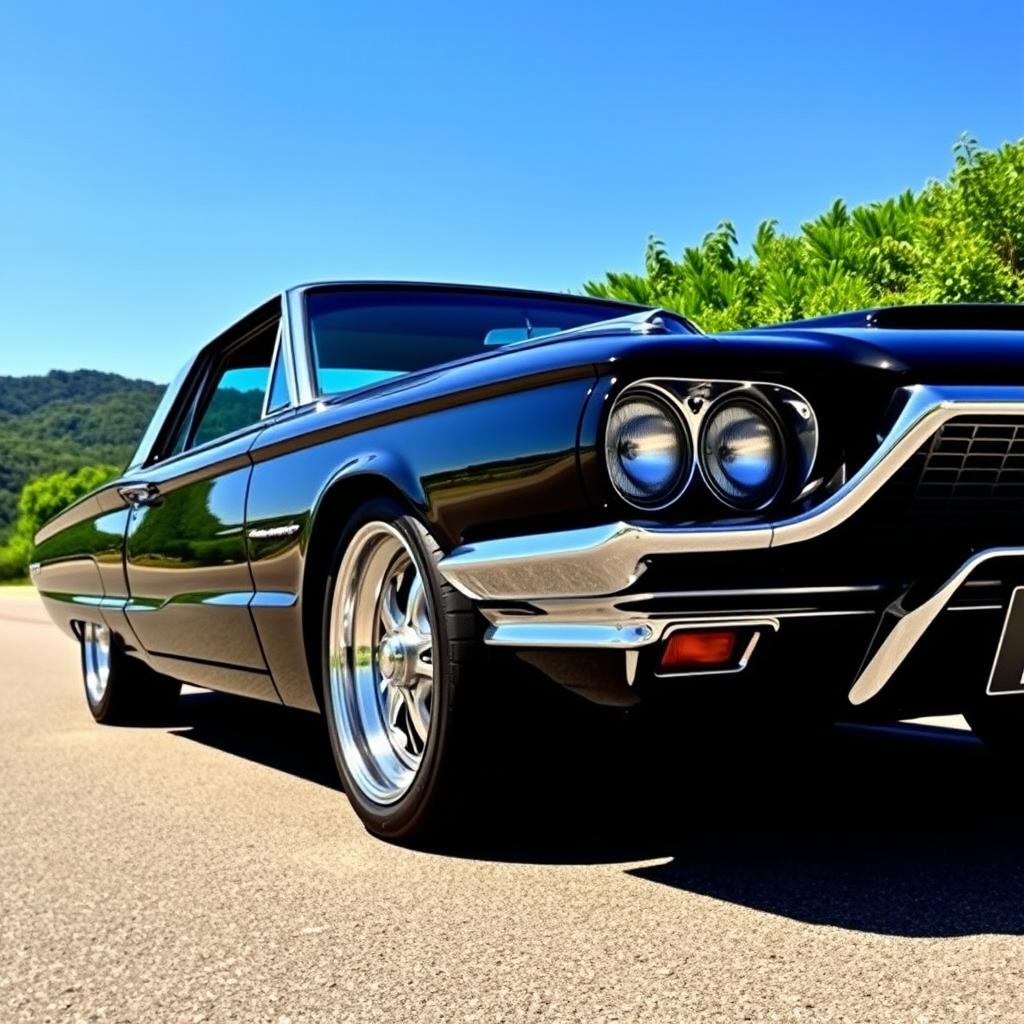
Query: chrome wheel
(96, 660)
(381, 662)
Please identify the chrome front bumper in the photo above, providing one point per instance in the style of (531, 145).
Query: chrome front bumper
(608, 624)
(570, 579)
(607, 559)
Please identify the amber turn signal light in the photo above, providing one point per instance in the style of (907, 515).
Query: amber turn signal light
(692, 649)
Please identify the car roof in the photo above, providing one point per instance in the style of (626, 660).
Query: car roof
(535, 293)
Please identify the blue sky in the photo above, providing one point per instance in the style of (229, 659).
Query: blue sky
(167, 166)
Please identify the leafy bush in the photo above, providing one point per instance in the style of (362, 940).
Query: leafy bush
(961, 240)
(41, 500)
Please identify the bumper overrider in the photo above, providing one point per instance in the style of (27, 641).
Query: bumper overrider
(575, 588)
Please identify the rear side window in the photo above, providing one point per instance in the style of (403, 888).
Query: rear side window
(360, 338)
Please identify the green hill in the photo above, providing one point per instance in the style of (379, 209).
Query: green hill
(64, 420)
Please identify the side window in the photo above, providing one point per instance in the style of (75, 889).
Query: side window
(234, 398)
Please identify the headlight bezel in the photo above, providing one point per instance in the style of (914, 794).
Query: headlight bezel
(764, 497)
(663, 401)
(694, 400)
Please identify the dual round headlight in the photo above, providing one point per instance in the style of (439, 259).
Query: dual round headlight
(650, 456)
(647, 450)
(741, 453)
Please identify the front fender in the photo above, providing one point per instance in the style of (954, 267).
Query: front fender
(473, 468)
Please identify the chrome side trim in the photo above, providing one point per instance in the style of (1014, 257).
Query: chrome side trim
(268, 532)
(607, 559)
(912, 626)
(627, 633)
(865, 588)
(571, 634)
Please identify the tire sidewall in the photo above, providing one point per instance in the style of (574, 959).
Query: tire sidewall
(101, 709)
(417, 804)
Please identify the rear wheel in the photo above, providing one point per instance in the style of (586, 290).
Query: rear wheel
(118, 689)
(399, 647)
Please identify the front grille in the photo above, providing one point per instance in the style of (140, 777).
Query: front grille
(970, 461)
(967, 480)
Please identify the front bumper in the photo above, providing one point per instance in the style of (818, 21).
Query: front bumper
(579, 588)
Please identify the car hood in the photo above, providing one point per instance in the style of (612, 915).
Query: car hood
(927, 356)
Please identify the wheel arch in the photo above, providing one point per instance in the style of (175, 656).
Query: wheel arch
(359, 481)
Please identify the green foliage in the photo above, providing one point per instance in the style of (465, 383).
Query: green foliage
(63, 421)
(960, 240)
(41, 499)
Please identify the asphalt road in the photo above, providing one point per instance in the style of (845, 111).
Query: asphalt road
(210, 870)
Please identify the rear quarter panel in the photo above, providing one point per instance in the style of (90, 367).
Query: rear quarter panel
(78, 567)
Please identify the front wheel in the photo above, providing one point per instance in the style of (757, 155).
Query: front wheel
(399, 646)
(120, 690)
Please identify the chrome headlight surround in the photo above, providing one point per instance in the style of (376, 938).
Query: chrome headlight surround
(648, 449)
(742, 451)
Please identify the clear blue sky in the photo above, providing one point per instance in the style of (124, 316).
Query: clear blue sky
(166, 166)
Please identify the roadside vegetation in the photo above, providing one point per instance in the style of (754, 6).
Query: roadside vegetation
(960, 239)
(60, 435)
(40, 500)
(957, 240)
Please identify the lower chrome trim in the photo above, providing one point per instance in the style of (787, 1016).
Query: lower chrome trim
(609, 558)
(905, 635)
(615, 637)
(624, 622)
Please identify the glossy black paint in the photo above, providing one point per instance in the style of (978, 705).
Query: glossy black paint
(504, 443)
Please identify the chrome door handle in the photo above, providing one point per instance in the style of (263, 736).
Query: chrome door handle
(140, 495)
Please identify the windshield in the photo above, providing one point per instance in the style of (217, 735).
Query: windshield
(361, 337)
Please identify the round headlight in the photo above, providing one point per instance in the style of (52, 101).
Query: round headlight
(647, 451)
(742, 453)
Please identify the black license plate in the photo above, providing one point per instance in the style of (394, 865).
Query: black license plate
(1008, 668)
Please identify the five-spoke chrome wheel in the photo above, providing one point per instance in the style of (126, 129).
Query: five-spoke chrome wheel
(96, 660)
(381, 662)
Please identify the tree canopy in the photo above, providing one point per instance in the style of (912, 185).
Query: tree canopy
(958, 240)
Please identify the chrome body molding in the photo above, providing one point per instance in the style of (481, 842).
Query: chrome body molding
(912, 625)
(271, 532)
(607, 559)
(602, 623)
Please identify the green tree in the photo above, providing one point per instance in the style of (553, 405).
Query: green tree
(41, 499)
(958, 240)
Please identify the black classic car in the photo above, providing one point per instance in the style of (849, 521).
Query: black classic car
(359, 495)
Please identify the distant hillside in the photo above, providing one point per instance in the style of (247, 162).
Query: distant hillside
(65, 420)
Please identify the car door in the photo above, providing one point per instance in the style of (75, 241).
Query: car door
(186, 559)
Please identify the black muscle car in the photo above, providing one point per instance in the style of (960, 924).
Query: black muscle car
(356, 497)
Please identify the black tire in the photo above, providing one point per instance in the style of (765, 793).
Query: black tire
(433, 798)
(133, 693)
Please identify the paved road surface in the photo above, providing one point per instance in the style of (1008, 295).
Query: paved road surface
(210, 870)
